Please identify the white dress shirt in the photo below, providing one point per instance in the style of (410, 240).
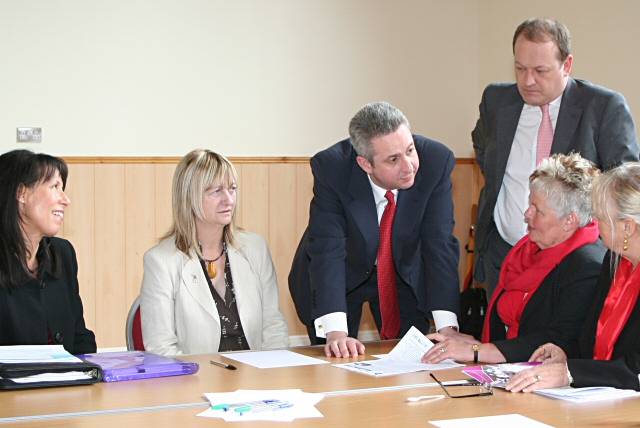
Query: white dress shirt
(513, 198)
(337, 321)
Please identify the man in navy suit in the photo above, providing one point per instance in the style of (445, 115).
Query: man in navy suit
(585, 118)
(334, 270)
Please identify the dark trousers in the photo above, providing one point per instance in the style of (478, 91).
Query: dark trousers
(497, 249)
(410, 314)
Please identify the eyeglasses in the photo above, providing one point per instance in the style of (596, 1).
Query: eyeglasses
(487, 389)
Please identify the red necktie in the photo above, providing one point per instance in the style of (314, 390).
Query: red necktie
(387, 289)
(545, 135)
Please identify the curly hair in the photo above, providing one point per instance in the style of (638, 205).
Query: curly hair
(567, 182)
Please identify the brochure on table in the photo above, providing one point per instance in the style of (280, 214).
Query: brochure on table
(403, 358)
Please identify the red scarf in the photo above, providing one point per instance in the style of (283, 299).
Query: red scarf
(617, 308)
(523, 270)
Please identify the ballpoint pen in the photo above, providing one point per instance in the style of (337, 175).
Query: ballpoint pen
(223, 365)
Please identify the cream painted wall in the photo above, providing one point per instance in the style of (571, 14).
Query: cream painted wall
(245, 77)
(280, 77)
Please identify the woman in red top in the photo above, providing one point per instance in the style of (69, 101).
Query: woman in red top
(547, 280)
(609, 349)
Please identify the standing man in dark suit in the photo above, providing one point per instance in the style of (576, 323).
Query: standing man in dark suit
(545, 111)
(380, 231)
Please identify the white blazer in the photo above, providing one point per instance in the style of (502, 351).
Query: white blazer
(179, 315)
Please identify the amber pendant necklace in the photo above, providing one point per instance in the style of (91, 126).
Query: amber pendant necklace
(212, 271)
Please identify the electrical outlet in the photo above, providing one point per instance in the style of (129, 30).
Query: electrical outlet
(28, 135)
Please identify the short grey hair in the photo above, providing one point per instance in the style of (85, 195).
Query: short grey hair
(371, 121)
(566, 181)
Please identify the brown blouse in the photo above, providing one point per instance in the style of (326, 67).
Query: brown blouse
(232, 336)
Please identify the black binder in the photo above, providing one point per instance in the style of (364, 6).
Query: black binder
(11, 371)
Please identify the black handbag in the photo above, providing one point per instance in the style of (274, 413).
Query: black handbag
(473, 307)
(473, 299)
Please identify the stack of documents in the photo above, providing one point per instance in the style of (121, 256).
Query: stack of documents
(19, 354)
(499, 374)
(281, 405)
(588, 394)
(403, 358)
(34, 366)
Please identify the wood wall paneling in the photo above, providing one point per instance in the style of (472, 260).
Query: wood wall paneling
(121, 207)
(254, 199)
(110, 260)
(282, 236)
(79, 228)
(162, 210)
(140, 223)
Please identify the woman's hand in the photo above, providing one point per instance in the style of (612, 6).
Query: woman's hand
(549, 354)
(456, 346)
(552, 375)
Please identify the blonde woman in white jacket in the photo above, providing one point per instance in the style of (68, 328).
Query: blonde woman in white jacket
(207, 286)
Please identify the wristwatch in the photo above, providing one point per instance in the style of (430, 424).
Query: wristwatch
(475, 348)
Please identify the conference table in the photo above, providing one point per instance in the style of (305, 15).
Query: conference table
(175, 401)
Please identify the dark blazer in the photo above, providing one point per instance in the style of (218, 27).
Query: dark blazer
(337, 252)
(623, 369)
(593, 121)
(50, 303)
(556, 311)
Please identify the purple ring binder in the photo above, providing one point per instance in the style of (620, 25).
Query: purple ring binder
(132, 365)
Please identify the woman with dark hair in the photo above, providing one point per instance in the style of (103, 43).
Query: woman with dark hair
(39, 298)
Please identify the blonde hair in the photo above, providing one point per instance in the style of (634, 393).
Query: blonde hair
(616, 196)
(566, 181)
(197, 171)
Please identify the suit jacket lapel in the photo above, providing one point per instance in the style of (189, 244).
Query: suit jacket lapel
(568, 118)
(506, 125)
(363, 208)
(408, 204)
(197, 285)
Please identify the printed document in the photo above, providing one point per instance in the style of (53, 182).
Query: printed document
(403, 358)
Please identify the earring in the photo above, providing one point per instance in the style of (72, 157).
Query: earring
(625, 242)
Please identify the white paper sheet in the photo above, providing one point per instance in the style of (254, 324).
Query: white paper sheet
(588, 394)
(36, 354)
(301, 405)
(403, 358)
(273, 359)
(52, 377)
(506, 421)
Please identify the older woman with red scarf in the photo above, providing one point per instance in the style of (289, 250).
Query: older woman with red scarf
(609, 346)
(547, 280)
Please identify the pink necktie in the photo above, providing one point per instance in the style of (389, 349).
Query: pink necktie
(545, 135)
(387, 288)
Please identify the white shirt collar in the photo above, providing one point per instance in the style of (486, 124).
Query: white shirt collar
(379, 192)
(552, 105)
